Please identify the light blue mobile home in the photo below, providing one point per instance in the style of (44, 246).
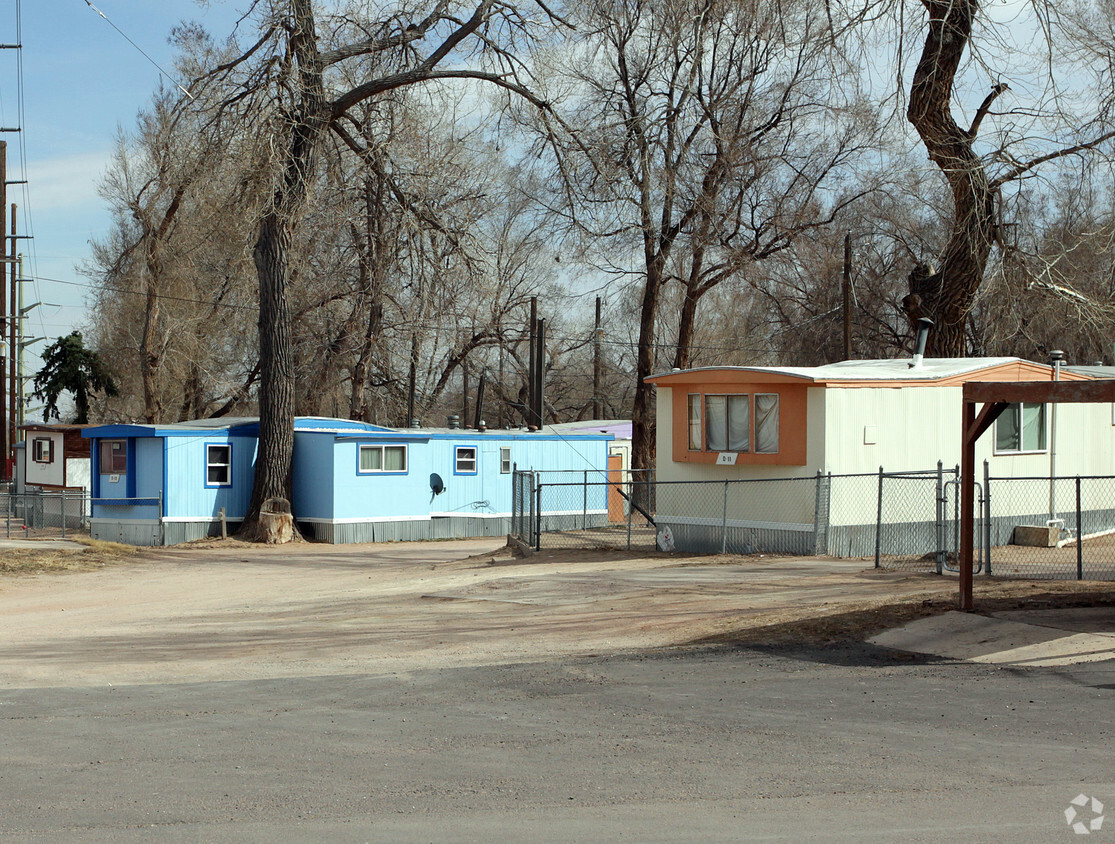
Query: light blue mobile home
(165, 484)
(353, 481)
(355, 485)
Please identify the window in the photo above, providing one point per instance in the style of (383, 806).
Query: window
(1020, 428)
(382, 458)
(766, 423)
(113, 457)
(728, 423)
(465, 463)
(694, 421)
(218, 465)
(739, 423)
(505, 460)
(42, 450)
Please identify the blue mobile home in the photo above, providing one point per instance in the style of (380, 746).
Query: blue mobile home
(383, 485)
(353, 482)
(165, 484)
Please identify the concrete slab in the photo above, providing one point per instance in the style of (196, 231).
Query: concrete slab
(1003, 641)
(41, 544)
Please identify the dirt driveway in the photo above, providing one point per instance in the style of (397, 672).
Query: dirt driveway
(247, 612)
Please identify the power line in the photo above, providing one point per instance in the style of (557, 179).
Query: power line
(140, 49)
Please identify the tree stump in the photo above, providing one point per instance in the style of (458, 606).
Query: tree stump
(276, 524)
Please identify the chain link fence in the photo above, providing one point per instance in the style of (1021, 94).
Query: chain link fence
(1050, 528)
(41, 514)
(910, 521)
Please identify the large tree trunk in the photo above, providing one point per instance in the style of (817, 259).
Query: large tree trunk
(274, 460)
(946, 296)
(642, 411)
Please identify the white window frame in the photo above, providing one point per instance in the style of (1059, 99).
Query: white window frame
(459, 462)
(382, 449)
(210, 463)
(1017, 409)
(505, 460)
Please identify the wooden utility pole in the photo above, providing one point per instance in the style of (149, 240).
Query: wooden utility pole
(597, 368)
(13, 343)
(5, 442)
(540, 376)
(531, 364)
(847, 297)
(464, 394)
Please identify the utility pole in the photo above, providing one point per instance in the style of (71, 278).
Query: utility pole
(13, 342)
(597, 368)
(5, 442)
(847, 297)
(540, 376)
(531, 365)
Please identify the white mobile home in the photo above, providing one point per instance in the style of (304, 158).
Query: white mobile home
(750, 423)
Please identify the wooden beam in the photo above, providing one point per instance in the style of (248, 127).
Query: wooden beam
(985, 420)
(967, 502)
(984, 392)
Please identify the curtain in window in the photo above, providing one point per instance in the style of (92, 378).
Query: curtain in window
(1033, 427)
(371, 459)
(716, 423)
(1006, 430)
(694, 422)
(766, 424)
(739, 423)
(395, 458)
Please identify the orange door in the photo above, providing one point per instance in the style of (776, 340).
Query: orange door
(615, 479)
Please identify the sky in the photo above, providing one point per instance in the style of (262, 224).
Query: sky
(81, 82)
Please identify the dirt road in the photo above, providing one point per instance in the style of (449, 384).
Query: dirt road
(242, 612)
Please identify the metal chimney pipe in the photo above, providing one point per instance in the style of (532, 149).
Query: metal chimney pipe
(924, 324)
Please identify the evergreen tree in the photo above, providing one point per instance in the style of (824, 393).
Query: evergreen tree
(70, 367)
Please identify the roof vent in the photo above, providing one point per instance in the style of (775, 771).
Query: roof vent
(924, 324)
(454, 422)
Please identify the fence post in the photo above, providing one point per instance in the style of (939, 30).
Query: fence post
(879, 519)
(724, 523)
(630, 510)
(940, 516)
(63, 507)
(538, 517)
(8, 516)
(584, 503)
(1079, 536)
(987, 517)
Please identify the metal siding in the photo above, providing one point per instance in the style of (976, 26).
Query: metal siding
(187, 495)
(314, 493)
(379, 495)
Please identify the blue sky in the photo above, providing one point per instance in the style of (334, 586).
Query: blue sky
(81, 81)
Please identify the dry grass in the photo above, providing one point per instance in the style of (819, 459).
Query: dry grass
(858, 621)
(95, 554)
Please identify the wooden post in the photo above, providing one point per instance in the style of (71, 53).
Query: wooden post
(967, 501)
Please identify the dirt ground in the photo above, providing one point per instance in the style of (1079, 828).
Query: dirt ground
(226, 610)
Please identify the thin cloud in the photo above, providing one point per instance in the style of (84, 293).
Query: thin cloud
(68, 182)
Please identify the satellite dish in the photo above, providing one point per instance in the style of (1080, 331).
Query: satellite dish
(437, 485)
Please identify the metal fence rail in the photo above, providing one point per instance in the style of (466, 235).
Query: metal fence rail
(902, 520)
(44, 514)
